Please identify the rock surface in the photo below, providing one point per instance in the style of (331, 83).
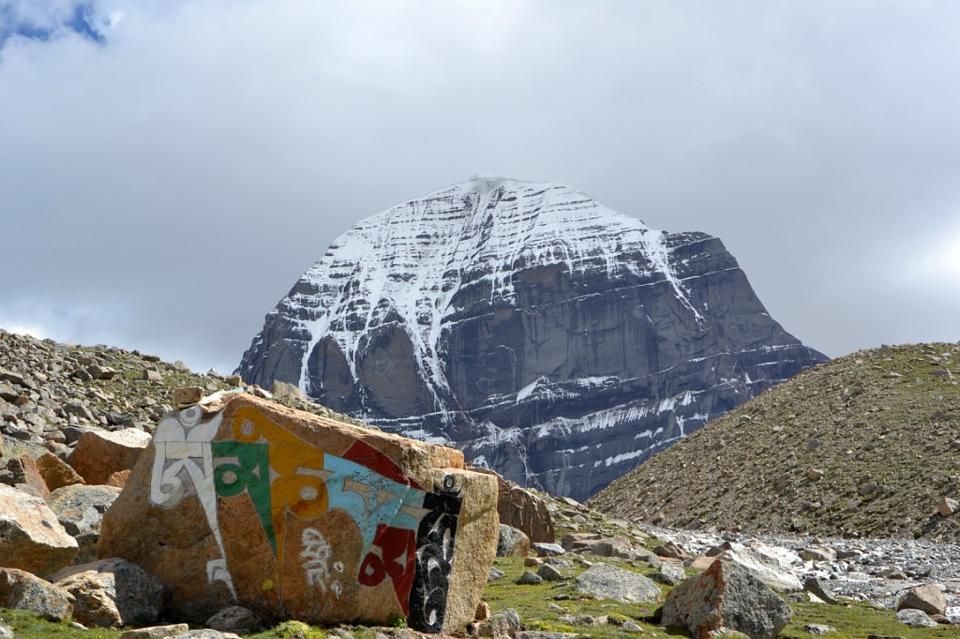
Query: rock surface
(496, 314)
(100, 454)
(79, 509)
(31, 537)
(310, 518)
(23, 591)
(726, 596)
(512, 542)
(112, 593)
(928, 598)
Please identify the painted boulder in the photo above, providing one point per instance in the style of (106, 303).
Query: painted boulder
(241, 501)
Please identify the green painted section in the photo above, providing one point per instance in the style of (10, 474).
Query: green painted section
(250, 472)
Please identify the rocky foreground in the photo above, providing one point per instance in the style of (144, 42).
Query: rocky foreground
(563, 569)
(865, 445)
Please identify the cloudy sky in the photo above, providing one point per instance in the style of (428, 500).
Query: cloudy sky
(168, 168)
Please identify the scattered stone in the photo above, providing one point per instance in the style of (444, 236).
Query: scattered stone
(726, 596)
(543, 634)
(548, 550)
(764, 562)
(670, 550)
(483, 611)
(152, 375)
(947, 506)
(928, 598)
(6, 632)
(31, 538)
(814, 474)
(893, 573)
(512, 542)
(503, 625)
(669, 574)
(112, 593)
(233, 380)
(209, 633)
(102, 373)
(818, 554)
(915, 618)
(549, 573)
(21, 590)
(815, 587)
(494, 574)
(235, 619)
(819, 629)
(283, 390)
(56, 473)
(101, 453)
(529, 578)
(609, 582)
(532, 562)
(26, 476)
(156, 632)
(631, 626)
(79, 509)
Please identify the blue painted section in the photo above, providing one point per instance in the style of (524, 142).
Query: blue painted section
(380, 505)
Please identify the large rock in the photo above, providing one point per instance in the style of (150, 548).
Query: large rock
(23, 591)
(726, 597)
(928, 598)
(31, 537)
(512, 542)
(609, 582)
(244, 502)
(553, 339)
(80, 509)
(112, 593)
(772, 565)
(102, 453)
(524, 511)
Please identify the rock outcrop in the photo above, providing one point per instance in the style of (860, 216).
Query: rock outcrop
(550, 338)
(239, 501)
(31, 537)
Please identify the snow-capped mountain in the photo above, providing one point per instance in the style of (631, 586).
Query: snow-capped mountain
(550, 337)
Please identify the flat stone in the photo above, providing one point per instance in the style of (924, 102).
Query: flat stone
(548, 550)
(915, 618)
(31, 537)
(156, 632)
(609, 582)
(235, 619)
(243, 501)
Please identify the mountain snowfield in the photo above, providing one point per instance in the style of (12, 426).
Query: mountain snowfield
(548, 336)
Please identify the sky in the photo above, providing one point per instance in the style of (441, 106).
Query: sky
(169, 168)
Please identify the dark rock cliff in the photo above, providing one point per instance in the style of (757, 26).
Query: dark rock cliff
(553, 339)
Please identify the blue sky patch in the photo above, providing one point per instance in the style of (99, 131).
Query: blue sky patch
(81, 20)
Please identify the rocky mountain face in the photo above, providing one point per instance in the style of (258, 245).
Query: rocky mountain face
(863, 446)
(548, 336)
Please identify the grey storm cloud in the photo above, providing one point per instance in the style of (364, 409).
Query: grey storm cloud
(169, 169)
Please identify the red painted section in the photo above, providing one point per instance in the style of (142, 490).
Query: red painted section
(397, 549)
(366, 455)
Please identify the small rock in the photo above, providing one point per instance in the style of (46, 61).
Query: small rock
(79, 509)
(669, 574)
(235, 619)
(503, 625)
(494, 574)
(816, 587)
(483, 611)
(670, 550)
(549, 573)
(532, 562)
(56, 472)
(233, 380)
(283, 390)
(893, 573)
(947, 506)
(814, 474)
(818, 554)
(152, 375)
(915, 618)
(529, 578)
(819, 629)
(102, 373)
(512, 542)
(548, 550)
(156, 632)
(6, 632)
(631, 626)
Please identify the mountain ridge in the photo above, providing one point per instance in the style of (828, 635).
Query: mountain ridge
(498, 315)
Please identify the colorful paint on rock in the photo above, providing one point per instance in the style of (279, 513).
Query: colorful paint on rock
(403, 534)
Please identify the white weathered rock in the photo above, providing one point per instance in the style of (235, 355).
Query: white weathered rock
(609, 582)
